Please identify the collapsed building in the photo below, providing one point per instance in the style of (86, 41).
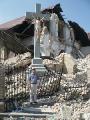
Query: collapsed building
(17, 36)
(60, 43)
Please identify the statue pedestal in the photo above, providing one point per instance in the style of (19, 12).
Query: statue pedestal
(37, 63)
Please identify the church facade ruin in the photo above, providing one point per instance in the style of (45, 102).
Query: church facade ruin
(17, 36)
(53, 43)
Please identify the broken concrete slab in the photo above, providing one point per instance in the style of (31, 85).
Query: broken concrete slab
(69, 64)
(19, 60)
(55, 64)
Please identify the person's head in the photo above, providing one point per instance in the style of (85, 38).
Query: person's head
(33, 70)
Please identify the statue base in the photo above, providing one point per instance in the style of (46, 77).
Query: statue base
(37, 63)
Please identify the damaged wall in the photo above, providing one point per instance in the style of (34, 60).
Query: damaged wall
(80, 34)
(22, 33)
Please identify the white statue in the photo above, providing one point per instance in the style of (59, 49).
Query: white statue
(37, 29)
(45, 42)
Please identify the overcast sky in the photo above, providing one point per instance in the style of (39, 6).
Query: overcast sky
(75, 10)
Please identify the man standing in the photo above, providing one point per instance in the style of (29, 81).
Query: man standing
(33, 79)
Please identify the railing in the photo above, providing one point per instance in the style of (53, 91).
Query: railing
(17, 92)
(16, 86)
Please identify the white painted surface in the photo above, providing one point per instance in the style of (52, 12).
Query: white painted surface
(54, 25)
(45, 42)
(69, 38)
(55, 46)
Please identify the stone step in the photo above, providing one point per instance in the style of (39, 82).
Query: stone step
(40, 103)
(22, 114)
(38, 110)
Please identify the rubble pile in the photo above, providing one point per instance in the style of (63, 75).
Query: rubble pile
(71, 110)
(74, 86)
(69, 76)
(76, 106)
(55, 64)
(69, 64)
(78, 78)
(19, 60)
(79, 75)
(83, 64)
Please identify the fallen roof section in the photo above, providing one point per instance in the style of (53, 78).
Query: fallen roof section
(12, 23)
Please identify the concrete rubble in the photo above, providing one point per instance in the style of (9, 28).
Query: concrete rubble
(67, 83)
(69, 64)
(79, 108)
(19, 60)
(74, 74)
(55, 64)
(74, 109)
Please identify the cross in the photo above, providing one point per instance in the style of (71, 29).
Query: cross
(33, 15)
(37, 61)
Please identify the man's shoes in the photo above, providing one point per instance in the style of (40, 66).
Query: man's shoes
(31, 103)
(35, 102)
